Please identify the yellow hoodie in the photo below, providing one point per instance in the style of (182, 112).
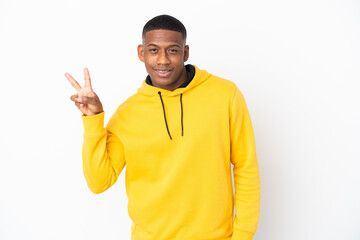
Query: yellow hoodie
(178, 147)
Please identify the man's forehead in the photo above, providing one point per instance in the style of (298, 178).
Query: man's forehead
(161, 36)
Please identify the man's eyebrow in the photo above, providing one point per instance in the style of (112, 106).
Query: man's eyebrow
(154, 45)
(175, 45)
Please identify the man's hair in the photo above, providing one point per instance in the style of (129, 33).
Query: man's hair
(164, 22)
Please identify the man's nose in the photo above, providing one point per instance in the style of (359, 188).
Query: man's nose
(163, 59)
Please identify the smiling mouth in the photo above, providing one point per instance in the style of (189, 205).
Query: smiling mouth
(163, 73)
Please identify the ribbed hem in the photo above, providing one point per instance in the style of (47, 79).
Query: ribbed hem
(241, 235)
(93, 124)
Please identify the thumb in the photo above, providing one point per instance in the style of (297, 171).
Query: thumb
(88, 100)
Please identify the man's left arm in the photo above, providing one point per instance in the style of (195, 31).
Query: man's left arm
(246, 170)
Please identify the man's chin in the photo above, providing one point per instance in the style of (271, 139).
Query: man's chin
(162, 81)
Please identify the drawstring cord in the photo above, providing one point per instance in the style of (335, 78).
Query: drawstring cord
(164, 114)
(182, 128)
(167, 128)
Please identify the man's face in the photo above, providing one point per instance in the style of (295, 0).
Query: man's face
(164, 53)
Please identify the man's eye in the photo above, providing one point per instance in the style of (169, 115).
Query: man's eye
(153, 50)
(173, 51)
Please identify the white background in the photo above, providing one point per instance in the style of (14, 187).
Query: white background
(296, 62)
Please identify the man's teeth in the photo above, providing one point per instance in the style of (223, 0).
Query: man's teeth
(162, 71)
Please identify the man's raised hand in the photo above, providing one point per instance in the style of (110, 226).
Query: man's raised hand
(86, 99)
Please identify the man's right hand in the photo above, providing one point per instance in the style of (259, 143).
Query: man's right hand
(86, 99)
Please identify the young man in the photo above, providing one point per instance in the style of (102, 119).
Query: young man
(178, 136)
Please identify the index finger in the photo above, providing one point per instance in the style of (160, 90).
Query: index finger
(73, 82)
(87, 78)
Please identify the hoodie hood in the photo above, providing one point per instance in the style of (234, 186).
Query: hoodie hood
(199, 77)
(149, 90)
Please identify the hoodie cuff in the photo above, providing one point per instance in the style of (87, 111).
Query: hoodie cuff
(93, 124)
(241, 235)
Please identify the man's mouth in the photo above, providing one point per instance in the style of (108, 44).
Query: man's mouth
(163, 73)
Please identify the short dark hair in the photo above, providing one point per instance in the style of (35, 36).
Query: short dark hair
(164, 22)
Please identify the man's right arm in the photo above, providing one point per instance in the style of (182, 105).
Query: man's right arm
(102, 152)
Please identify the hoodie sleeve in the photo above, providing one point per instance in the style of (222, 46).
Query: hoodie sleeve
(102, 152)
(246, 171)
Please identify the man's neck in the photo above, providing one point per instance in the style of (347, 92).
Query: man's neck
(184, 76)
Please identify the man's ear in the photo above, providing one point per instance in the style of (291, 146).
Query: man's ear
(140, 50)
(186, 53)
